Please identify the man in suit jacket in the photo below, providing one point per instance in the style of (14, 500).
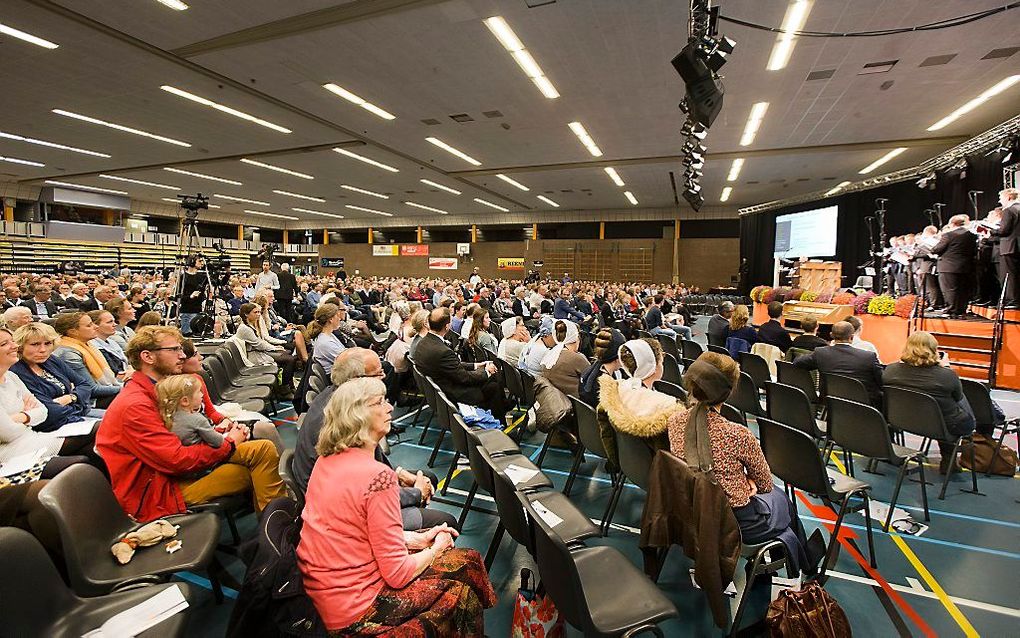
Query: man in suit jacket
(772, 331)
(718, 323)
(957, 251)
(1009, 241)
(40, 303)
(842, 358)
(285, 293)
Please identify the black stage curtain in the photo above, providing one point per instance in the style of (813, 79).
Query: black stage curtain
(904, 214)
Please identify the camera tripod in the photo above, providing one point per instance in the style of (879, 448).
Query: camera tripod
(189, 247)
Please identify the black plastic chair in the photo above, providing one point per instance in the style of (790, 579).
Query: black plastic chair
(917, 413)
(718, 349)
(235, 363)
(231, 391)
(514, 384)
(286, 470)
(670, 369)
(690, 349)
(744, 396)
(800, 378)
(34, 601)
(674, 390)
(980, 400)
(790, 406)
(635, 458)
(495, 441)
(844, 387)
(757, 368)
(859, 428)
(730, 413)
(793, 457)
(668, 344)
(686, 363)
(597, 590)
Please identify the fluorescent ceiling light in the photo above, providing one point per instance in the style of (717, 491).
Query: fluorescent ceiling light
(140, 182)
(367, 160)
(429, 182)
(424, 207)
(513, 182)
(613, 175)
(241, 199)
(725, 193)
(513, 44)
(735, 169)
(586, 139)
(491, 205)
(976, 102)
(178, 202)
(363, 191)
(27, 37)
(354, 99)
(838, 187)
(753, 122)
(300, 196)
(369, 210)
(316, 212)
(173, 4)
(203, 176)
(14, 160)
(796, 15)
(32, 140)
(449, 149)
(224, 109)
(882, 160)
(119, 127)
(630, 197)
(548, 201)
(265, 214)
(278, 169)
(84, 187)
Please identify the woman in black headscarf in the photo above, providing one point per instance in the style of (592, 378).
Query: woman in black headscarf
(607, 362)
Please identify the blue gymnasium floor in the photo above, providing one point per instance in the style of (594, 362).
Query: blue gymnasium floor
(962, 576)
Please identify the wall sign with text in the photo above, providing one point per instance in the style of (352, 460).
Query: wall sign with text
(331, 262)
(442, 263)
(385, 250)
(414, 250)
(510, 263)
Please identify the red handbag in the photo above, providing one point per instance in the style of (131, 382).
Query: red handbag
(535, 615)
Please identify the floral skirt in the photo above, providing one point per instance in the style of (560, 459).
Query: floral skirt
(445, 601)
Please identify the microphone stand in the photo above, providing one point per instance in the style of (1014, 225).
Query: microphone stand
(938, 213)
(880, 204)
(973, 196)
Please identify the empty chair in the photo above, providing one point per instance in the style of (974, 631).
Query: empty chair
(844, 387)
(589, 438)
(730, 413)
(316, 383)
(668, 344)
(790, 406)
(670, 369)
(980, 400)
(800, 378)
(635, 457)
(235, 362)
(756, 367)
(745, 396)
(690, 349)
(512, 379)
(496, 442)
(672, 389)
(719, 349)
(34, 601)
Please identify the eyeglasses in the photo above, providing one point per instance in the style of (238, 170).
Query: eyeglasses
(179, 349)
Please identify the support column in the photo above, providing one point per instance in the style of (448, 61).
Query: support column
(676, 251)
(418, 236)
(474, 234)
(325, 237)
(240, 232)
(534, 232)
(286, 239)
(109, 217)
(370, 234)
(8, 209)
(602, 230)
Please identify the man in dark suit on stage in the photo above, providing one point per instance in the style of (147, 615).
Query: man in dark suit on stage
(843, 358)
(957, 251)
(1009, 241)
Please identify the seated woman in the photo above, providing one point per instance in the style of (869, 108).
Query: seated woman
(151, 318)
(271, 328)
(563, 366)
(703, 438)
(740, 327)
(106, 327)
(921, 369)
(354, 555)
(607, 363)
(76, 330)
(261, 352)
(478, 337)
(325, 345)
(515, 340)
(124, 313)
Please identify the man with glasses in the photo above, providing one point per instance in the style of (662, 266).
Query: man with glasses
(152, 472)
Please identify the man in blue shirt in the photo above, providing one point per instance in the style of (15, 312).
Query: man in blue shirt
(563, 310)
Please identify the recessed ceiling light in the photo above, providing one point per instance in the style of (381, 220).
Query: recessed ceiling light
(140, 182)
(453, 151)
(224, 109)
(27, 37)
(424, 207)
(203, 176)
(63, 147)
(735, 169)
(84, 187)
(513, 44)
(174, 4)
(513, 182)
(753, 122)
(796, 14)
(119, 127)
(265, 214)
(363, 191)
(316, 212)
(241, 199)
(429, 182)
(491, 205)
(369, 210)
(350, 97)
(367, 160)
(882, 160)
(300, 196)
(838, 187)
(178, 202)
(976, 102)
(278, 169)
(613, 175)
(725, 193)
(586, 139)
(14, 160)
(630, 197)
(548, 201)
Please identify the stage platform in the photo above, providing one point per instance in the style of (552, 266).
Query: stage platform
(963, 338)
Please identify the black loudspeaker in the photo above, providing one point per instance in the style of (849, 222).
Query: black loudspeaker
(704, 90)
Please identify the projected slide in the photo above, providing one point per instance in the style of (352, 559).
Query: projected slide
(811, 233)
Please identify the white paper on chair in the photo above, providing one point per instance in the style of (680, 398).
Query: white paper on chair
(546, 514)
(20, 463)
(78, 428)
(518, 474)
(142, 616)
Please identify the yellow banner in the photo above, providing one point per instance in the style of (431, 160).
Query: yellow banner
(510, 263)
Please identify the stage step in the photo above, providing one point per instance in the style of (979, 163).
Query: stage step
(959, 335)
(968, 350)
(966, 364)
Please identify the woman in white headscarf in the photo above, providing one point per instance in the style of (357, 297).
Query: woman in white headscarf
(630, 405)
(515, 340)
(563, 366)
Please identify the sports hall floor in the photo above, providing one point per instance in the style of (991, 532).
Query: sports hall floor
(962, 576)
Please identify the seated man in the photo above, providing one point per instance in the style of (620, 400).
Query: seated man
(809, 340)
(416, 488)
(858, 342)
(843, 358)
(152, 472)
(772, 331)
(719, 323)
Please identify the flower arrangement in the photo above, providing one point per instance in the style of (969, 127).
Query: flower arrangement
(882, 305)
(904, 305)
(843, 298)
(782, 293)
(861, 302)
(825, 297)
(768, 295)
(808, 295)
(794, 294)
(758, 291)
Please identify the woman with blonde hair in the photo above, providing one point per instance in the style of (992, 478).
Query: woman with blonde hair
(355, 558)
(295, 343)
(262, 352)
(740, 326)
(76, 330)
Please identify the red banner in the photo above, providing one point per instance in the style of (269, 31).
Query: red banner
(414, 250)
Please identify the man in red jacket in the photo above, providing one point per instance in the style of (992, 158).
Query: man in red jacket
(153, 474)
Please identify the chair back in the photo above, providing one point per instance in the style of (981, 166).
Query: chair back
(458, 428)
(860, 428)
(588, 427)
(790, 406)
(319, 371)
(793, 353)
(915, 412)
(980, 400)
(479, 468)
(233, 358)
(720, 349)
(672, 389)
(512, 378)
(511, 513)
(769, 353)
(797, 377)
(844, 387)
(643, 334)
(558, 572)
(793, 456)
(316, 383)
(441, 405)
(744, 396)
(528, 385)
(635, 458)
(668, 344)
(736, 345)
(690, 349)
(211, 385)
(756, 367)
(687, 363)
(220, 374)
(670, 369)
(286, 470)
(32, 594)
(730, 413)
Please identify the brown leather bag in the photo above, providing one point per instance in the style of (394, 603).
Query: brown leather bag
(1003, 460)
(808, 613)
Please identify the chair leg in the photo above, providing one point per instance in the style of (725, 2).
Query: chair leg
(467, 505)
(545, 448)
(425, 428)
(924, 489)
(607, 517)
(871, 535)
(449, 473)
(232, 524)
(490, 554)
(834, 540)
(435, 449)
(896, 493)
(973, 470)
(750, 568)
(217, 588)
(945, 481)
(573, 469)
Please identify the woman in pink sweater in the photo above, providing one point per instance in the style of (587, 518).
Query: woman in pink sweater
(365, 574)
